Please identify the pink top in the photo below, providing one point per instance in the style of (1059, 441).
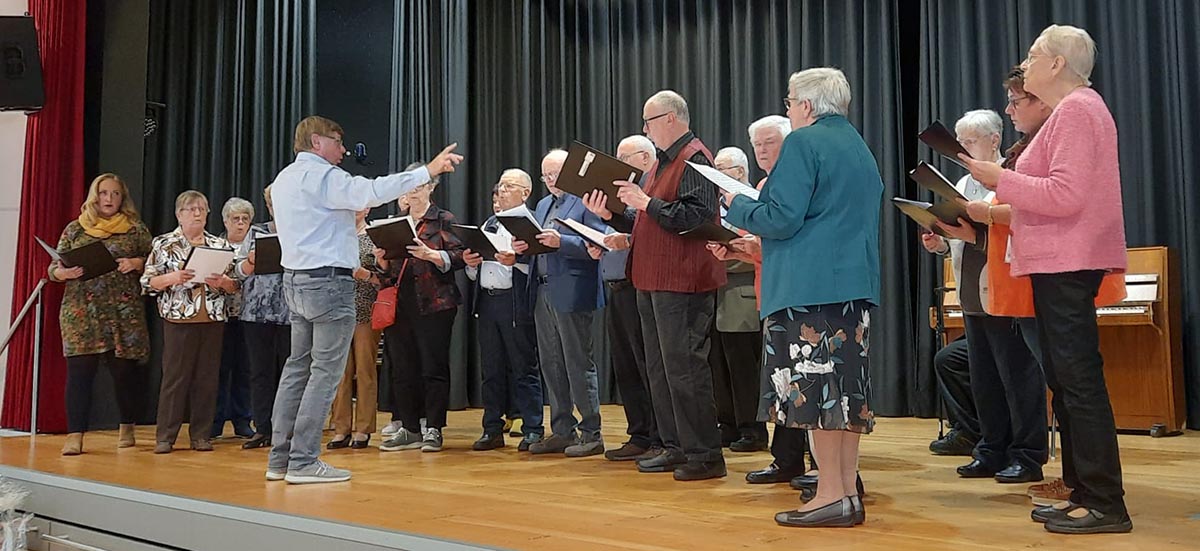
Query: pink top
(1066, 193)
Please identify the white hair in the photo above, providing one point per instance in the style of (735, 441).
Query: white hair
(984, 122)
(640, 143)
(825, 87)
(521, 175)
(1073, 44)
(735, 155)
(778, 122)
(674, 104)
(557, 154)
(237, 205)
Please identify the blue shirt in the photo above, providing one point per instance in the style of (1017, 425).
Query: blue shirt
(315, 203)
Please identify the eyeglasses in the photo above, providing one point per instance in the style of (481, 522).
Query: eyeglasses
(239, 219)
(788, 101)
(1029, 59)
(647, 121)
(969, 142)
(547, 178)
(730, 167)
(626, 157)
(194, 209)
(1012, 102)
(336, 140)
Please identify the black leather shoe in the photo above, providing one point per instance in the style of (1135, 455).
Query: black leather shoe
(488, 442)
(665, 462)
(975, 469)
(839, 514)
(1018, 473)
(729, 434)
(257, 441)
(747, 444)
(1094, 522)
(360, 444)
(770, 475)
(338, 444)
(1045, 514)
(804, 481)
(954, 443)
(700, 470)
(860, 512)
(807, 484)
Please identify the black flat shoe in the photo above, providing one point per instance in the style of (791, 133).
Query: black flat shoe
(839, 514)
(665, 462)
(1094, 522)
(488, 442)
(954, 443)
(700, 470)
(975, 469)
(1019, 474)
(810, 488)
(860, 512)
(1049, 512)
(748, 444)
(361, 444)
(804, 481)
(257, 441)
(770, 475)
(338, 444)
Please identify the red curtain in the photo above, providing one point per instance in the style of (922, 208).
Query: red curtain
(52, 189)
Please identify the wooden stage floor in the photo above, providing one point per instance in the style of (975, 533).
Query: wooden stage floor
(502, 499)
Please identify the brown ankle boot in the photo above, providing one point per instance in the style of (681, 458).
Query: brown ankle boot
(125, 439)
(74, 444)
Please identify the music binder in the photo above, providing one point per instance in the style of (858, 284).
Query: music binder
(931, 179)
(927, 214)
(268, 256)
(206, 261)
(483, 243)
(94, 258)
(938, 137)
(522, 225)
(588, 169)
(588, 234)
(710, 231)
(724, 182)
(393, 235)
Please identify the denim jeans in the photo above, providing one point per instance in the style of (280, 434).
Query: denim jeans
(322, 319)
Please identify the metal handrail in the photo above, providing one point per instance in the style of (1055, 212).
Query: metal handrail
(34, 301)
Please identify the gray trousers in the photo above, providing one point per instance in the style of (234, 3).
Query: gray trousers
(565, 353)
(676, 328)
(322, 322)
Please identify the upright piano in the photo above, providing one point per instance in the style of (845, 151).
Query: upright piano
(1140, 340)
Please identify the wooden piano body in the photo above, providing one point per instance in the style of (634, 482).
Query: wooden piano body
(1140, 340)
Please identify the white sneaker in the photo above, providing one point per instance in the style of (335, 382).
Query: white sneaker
(318, 473)
(432, 441)
(392, 428)
(274, 476)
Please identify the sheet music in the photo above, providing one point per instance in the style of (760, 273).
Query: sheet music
(595, 237)
(206, 261)
(724, 182)
(521, 210)
(50, 251)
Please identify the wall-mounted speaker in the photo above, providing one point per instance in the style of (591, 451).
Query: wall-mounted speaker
(20, 66)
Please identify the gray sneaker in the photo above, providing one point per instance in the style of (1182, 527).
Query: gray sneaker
(274, 475)
(318, 473)
(554, 444)
(432, 442)
(404, 440)
(584, 449)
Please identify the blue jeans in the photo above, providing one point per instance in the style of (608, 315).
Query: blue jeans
(322, 319)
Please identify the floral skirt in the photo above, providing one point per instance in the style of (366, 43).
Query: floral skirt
(816, 367)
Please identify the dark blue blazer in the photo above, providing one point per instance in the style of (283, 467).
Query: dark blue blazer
(573, 277)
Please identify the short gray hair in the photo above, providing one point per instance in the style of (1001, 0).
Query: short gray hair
(736, 155)
(778, 122)
(1074, 45)
(980, 121)
(188, 197)
(526, 181)
(673, 102)
(237, 205)
(825, 87)
(639, 142)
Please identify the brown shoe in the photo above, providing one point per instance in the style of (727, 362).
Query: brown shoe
(125, 439)
(164, 447)
(74, 444)
(627, 452)
(1050, 493)
(204, 445)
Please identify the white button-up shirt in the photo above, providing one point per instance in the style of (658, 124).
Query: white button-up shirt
(494, 275)
(315, 203)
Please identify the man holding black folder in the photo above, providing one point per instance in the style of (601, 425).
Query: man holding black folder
(315, 204)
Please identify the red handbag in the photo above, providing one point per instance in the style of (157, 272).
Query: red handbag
(383, 311)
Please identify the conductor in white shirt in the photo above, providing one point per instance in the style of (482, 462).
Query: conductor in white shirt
(315, 202)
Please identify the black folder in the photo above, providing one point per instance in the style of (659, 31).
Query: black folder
(933, 180)
(711, 231)
(926, 214)
(525, 229)
(393, 235)
(938, 137)
(94, 258)
(587, 169)
(474, 239)
(267, 255)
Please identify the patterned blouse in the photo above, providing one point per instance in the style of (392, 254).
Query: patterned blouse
(365, 291)
(436, 291)
(106, 313)
(262, 295)
(169, 252)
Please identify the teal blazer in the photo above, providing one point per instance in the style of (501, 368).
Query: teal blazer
(818, 217)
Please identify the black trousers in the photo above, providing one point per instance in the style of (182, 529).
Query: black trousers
(736, 363)
(508, 358)
(81, 376)
(951, 364)
(267, 348)
(788, 446)
(233, 389)
(628, 350)
(1010, 394)
(1070, 342)
(676, 328)
(418, 350)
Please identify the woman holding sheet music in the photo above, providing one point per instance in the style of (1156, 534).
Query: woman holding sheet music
(104, 317)
(417, 345)
(194, 311)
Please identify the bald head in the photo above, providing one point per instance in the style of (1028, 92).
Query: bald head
(637, 151)
(552, 164)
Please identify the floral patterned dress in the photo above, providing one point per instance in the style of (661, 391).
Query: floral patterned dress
(817, 367)
(106, 313)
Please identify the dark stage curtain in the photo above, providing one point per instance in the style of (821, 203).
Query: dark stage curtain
(1146, 69)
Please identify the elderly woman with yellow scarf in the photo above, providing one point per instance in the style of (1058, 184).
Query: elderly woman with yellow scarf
(104, 318)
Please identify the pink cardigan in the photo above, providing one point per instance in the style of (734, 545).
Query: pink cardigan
(1066, 193)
